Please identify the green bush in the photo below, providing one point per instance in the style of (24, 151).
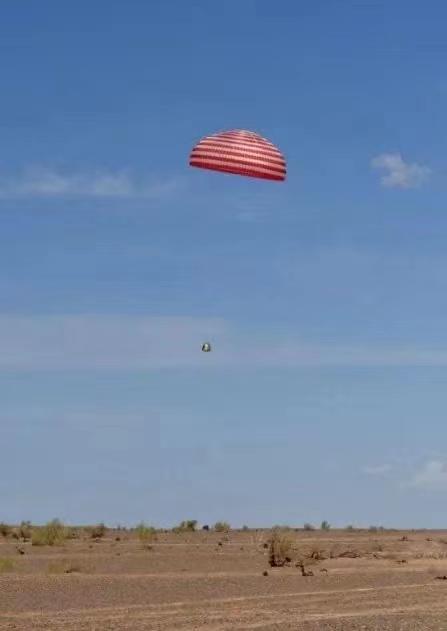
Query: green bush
(308, 526)
(325, 525)
(5, 529)
(6, 565)
(222, 526)
(52, 534)
(189, 525)
(145, 533)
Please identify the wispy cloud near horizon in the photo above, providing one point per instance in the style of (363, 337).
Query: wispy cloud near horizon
(432, 476)
(38, 181)
(398, 173)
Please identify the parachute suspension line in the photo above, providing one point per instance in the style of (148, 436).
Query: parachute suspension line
(239, 152)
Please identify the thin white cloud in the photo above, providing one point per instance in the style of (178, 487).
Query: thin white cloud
(378, 470)
(432, 476)
(47, 182)
(103, 342)
(400, 174)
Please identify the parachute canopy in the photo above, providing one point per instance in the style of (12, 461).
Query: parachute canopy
(240, 152)
(206, 347)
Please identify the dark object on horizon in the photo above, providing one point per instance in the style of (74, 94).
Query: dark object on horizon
(206, 347)
(206, 527)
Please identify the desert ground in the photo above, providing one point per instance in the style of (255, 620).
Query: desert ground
(336, 579)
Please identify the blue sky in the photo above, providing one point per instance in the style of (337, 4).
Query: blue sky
(324, 296)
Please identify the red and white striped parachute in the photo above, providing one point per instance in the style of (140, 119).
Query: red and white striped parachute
(240, 152)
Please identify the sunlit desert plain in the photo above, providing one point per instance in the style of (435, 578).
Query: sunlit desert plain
(94, 578)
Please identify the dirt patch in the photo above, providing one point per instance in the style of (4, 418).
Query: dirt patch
(186, 581)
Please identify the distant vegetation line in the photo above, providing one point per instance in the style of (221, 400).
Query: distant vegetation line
(55, 531)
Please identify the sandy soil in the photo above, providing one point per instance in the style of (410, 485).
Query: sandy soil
(384, 581)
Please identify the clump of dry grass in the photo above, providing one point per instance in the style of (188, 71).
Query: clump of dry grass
(431, 555)
(53, 533)
(98, 531)
(6, 565)
(258, 539)
(280, 546)
(317, 554)
(64, 567)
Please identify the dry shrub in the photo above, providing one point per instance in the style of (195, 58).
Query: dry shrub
(304, 572)
(280, 547)
(25, 530)
(222, 526)
(317, 555)
(52, 534)
(258, 539)
(5, 529)
(432, 555)
(308, 527)
(98, 531)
